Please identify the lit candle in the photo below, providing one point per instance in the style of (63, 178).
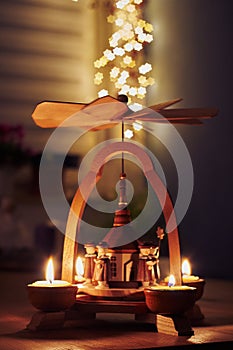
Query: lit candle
(191, 280)
(79, 270)
(186, 272)
(50, 294)
(171, 285)
(49, 278)
(171, 281)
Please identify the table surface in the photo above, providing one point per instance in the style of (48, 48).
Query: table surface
(111, 331)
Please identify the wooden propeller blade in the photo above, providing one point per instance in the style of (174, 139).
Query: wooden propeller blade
(51, 114)
(164, 105)
(184, 121)
(189, 113)
(173, 115)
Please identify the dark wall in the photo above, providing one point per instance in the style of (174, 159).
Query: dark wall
(194, 51)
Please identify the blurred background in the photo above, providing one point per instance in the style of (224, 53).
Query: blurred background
(47, 52)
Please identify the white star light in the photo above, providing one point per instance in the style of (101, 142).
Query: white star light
(137, 126)
(102, 93)
(128, 134)
(145, 68)
(118, 51)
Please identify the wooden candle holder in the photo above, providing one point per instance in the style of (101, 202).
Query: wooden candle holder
(52, 298)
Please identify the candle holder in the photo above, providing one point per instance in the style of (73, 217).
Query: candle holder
(199, 285)
(174, 300)
(192, 281)
(51, 298)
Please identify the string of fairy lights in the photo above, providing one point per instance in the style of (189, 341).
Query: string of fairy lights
(127, 71)
(122, 66)
(122, 62)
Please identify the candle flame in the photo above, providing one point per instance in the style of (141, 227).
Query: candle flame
(171, 281)
(186, 268)
(79, 266)
(50, 271)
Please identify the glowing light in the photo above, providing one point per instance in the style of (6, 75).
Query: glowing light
(141, 91)
(135, 107)
(130, 8)
(50, 271)
(127, 59)
(125, 74)
(116, 36)
(128, 47)
(138, 30)
(141, 23)
(137, 126)
(124, 90)
(114, 72)
(109, 55)
(111, 19)
(145, 68)
(151, 81)
(148, 27)
(149, 38)
(186, 268)
(79, 267)
(102, 93)
(171, 281)
(141, 96)
(98, 78)
(118, 51)
(113, 43)
(128, 134)
(142, 37)
(121, 80)
(142, 80)
(119, 22)
(138, 46)
(121, 4)
(133, 91)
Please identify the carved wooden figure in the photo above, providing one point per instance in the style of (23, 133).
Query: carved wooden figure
(89, 265)
(102, 270)
(146, 265)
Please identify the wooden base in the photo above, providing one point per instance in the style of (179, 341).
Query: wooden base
(174, 325)
(195, 315)
(46, 320)
(86, 308)
(57, 320)
(114, 293)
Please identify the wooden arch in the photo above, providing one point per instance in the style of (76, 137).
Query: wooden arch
(78, 205)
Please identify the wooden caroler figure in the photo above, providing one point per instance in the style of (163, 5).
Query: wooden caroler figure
(102, 271)
(89, 266)
(148, 259)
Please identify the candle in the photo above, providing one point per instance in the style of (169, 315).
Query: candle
(49, 278)
(79, 271)
(50, 294)
(170, 285)
(186, 272)
(191, 280)
(169, 288)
